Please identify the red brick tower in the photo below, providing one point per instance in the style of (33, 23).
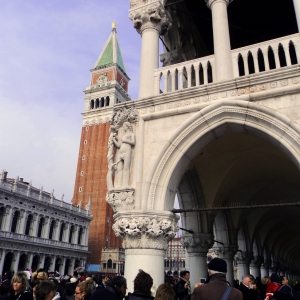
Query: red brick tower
(108, 86)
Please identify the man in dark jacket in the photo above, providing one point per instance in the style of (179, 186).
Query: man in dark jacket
(116, 290)
(216, 285)
(183, 288)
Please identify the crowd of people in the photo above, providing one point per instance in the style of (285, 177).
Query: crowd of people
(42, 285)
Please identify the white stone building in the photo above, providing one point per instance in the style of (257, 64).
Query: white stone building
(39, 231)
(219, 125)
(112, 260)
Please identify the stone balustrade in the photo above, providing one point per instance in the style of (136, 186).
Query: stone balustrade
(253, 59)
(41, 241)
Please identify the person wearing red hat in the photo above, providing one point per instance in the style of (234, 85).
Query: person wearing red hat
(216, 286)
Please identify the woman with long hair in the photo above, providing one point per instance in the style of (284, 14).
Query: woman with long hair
(20, 287)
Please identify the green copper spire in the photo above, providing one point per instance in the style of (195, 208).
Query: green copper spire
(111, 54)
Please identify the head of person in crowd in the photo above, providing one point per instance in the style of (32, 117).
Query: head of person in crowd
(142, 283)
(119, 283)
(247, 280)
(275, 278)
(185, 275)
(39, 276)
(165, 291)
(217, 266)
(285, 281)
(19, 283)
(83, 291)
(105, 280)
(45, 290)
(265, 280)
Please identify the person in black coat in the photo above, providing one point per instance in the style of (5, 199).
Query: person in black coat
(20, 287)
(116, 290)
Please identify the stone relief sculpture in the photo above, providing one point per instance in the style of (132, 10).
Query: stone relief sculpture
(123, 155)
(121, 144)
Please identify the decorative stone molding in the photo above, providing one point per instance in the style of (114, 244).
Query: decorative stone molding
(209, 3)
(144, 231)
(123, 199)
(149, 14)
(200, 243)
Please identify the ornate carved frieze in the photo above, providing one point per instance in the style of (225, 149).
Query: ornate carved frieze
(146, 232)
(243, 256)
(149, 14)
(226, 251)
(123, 199)
(200, 243)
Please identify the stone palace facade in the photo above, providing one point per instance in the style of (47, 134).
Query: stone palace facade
(217, 124)
(39, 231)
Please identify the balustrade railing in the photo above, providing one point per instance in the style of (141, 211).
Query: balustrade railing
(253, 59)
(41, 241)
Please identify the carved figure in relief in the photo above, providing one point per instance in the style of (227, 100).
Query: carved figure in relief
(123, 155)
(110, 158)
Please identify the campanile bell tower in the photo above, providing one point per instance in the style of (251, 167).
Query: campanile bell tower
(108, 86)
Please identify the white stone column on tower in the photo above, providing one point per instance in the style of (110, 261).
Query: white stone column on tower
(34, 225)
(75, 234)
(255, 266)
(29, 260)
(197, 246)
(2, 258)
(7, 218)
(62, 266)
(45, 228)
(23, 220)
(66, 234)
(145, 238)
(15, 262)
(71, 266)
(222, 48)
(227, 253)
(297, 12)
(151, 21)
(57, 227)
(243, 259)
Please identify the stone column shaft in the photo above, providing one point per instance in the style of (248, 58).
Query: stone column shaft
(15, 262)
(297, 12)
(22, 222)
(222, 48)
(3, 254)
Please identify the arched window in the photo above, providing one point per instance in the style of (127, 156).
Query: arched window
(293, 54)
(271, 59)
(61, 233)
(28, 224)
(2, 213)
(80, 235)
(251, 63)
(42, 221)
(209, 72)
(241, 65)
(97, 103)
(281, 55)
(109, 264)
(92, 105)
(71, 233)
(102, 102)
(15, 221)
(51, 230)
(261, 61)
(107, 101)
(201, 75)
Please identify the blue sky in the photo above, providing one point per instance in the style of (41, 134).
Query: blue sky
(46, 51)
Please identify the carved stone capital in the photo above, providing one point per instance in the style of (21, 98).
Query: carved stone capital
(149, 14)
(256, 261)
(224, 251)
(209, 3)
(145, 230)
(243, 257)
(170, 58)
(200, 243)
(266, 263)
(121, 199)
